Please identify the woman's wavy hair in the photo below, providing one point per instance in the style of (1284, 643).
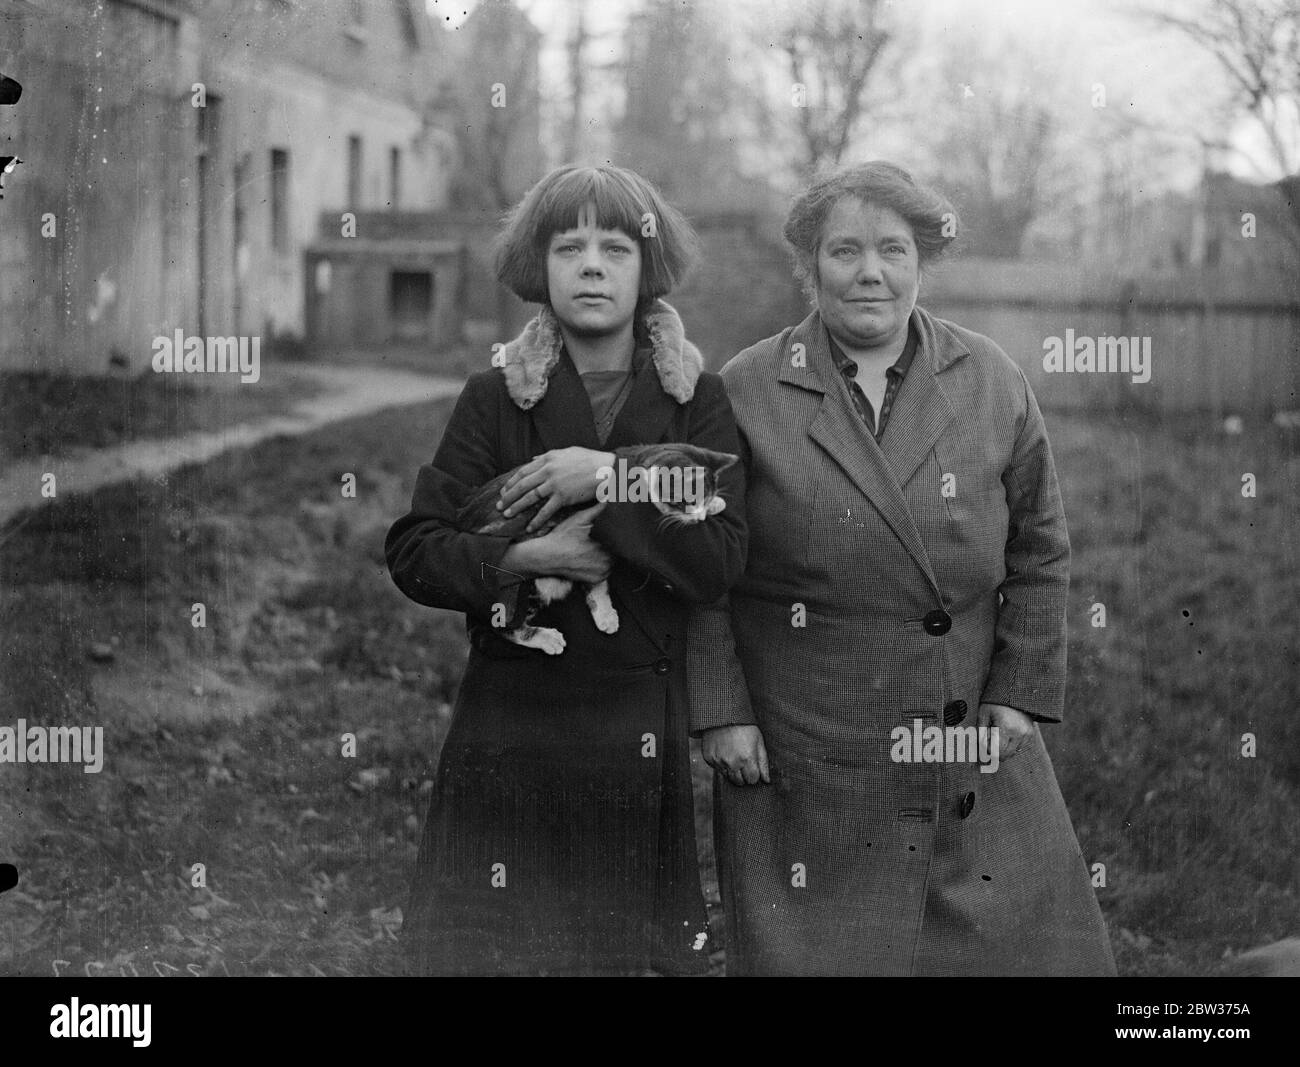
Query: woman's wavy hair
(623, 200)
(931, 216)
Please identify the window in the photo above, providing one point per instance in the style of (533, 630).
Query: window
(395, 178)
(354, 173)
(279, 200)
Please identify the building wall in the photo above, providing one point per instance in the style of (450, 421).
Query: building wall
(105, 146)
(146, 189)
(384, 53)
(310, 118)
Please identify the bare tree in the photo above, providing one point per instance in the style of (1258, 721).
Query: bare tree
(832, 51)
(999, 127)
(576, 56)
(1257, 43)
(496, 101)
(999, 151)
(676, 124)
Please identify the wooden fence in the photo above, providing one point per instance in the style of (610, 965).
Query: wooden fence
(1220, 344)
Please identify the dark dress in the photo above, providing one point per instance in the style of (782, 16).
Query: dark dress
(560, 836)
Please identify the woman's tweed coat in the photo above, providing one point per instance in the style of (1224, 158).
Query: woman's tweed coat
(560, 835)
(849, 862)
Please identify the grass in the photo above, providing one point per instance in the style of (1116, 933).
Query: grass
(52, 414)
(306, 853)
(1201, 843)
(224, 743)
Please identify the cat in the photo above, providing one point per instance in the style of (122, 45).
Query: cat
(680, 480)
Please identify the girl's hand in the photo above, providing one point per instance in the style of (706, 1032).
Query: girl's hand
(566, 552)
(560, 477)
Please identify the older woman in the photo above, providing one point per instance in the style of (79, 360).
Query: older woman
(560, 836)
(907, 577)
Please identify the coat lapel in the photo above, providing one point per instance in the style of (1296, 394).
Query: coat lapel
(923, 408)
(838, 430)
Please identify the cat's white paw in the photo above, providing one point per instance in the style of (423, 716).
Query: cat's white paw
(602, 608)
(605, 618)
(549, 641)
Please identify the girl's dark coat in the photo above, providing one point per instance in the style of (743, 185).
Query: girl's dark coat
(560, 836)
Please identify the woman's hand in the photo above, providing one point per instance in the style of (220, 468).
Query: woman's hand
(1014, 727)
(562, 477)
(566, 552)
(738, 752)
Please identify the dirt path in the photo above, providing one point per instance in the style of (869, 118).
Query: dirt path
(349, 391)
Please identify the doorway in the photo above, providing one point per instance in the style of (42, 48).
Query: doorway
(410, 301)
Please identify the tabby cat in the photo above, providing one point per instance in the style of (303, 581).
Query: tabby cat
(680, 480)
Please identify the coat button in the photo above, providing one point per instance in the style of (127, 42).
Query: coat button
(663, 666)
(937, 622)
(953, 712)
(967, 804)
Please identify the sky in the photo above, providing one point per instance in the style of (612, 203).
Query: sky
(1154, 74)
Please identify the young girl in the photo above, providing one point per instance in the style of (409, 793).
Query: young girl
(560, 836)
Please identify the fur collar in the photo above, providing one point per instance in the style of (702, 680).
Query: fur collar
(528, 360)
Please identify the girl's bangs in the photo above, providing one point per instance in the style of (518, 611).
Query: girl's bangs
(617, 205)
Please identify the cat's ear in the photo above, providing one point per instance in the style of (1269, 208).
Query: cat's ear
(719, 461)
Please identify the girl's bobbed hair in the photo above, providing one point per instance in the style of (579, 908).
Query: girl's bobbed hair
(622, 200)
